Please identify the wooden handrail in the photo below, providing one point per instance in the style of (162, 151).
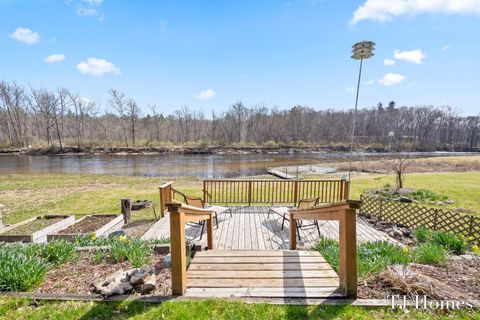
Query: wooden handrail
(268, 191)
(345, 213)
(180, 214)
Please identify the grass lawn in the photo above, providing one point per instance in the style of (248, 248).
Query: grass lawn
(207, 309)
(27, 195)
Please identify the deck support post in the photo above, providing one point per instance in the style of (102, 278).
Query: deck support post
(293, 232)
(348, 253)
(210, 232)
(178, 249)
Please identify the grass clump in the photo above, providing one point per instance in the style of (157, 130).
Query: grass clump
(424, 195)
(372, 257)
(57, 252)
(422, 234)
(20, 271)
(452, 242)
(136, 251)
(430, 253)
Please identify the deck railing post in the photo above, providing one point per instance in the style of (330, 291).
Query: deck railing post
(178, 249)
(166, 196)
(250, 193)
(295, 192)
(348, 253)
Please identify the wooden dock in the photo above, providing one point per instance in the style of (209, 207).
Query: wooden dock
(281, 174)
(275, 274)
(252, 228)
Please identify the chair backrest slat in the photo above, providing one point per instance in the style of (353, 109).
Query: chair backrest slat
(194, 202)
(307, 203)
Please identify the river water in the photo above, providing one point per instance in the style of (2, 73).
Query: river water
(154, 165)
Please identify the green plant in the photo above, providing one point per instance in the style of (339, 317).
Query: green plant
(450, 241)
(330, 251)
(270, 144)
(19, 271)
(430, 253)
(99, 256)
(372, 257)
(57, 251)
(422, 234)
(427, 195)
(136, 251)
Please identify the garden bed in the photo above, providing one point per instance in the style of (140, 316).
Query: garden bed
(97, 225)
(136, 229)
(78, 275)
(36, 229)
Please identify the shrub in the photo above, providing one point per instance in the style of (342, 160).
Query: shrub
(270, 144)
(136, 251)
(19, 271)
(422, 234)
(430, 253)
(449, 241)
(57, 251)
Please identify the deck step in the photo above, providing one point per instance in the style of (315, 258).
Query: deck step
(247, 273)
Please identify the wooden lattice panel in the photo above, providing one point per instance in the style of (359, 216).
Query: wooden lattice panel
(414, 216)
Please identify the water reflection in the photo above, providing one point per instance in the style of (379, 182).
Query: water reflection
(206, 166)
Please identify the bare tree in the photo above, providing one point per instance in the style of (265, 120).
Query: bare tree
(133, 113)
(119, 104)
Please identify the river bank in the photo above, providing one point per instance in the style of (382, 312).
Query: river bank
(213, 150)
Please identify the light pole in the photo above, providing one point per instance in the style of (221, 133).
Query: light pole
(361, 50)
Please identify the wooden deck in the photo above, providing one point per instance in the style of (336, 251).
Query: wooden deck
(251, 228)
(275, 274)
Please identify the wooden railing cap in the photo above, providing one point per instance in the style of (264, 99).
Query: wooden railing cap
(166, 184)
(354, 204)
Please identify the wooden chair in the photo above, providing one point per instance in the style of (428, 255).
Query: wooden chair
(302, 204)
(198, 203)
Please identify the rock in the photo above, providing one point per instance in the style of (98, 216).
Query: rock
(167, 262)
(449, 201)
(115, 284)
(148, 286)
(405, 199)
(137, 276)
(396, 233)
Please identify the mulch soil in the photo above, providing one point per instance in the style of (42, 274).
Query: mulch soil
(33, 226)
(77, 276)
(136, 229)
(460, 280)
(87, 225)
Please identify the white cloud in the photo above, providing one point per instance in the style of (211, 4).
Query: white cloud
(391, 79)
(93, 2)
(206, 94)
(97, 67)
(84, 100)
(53, 58)
(86, 12)
(368, 82)
(388, 62)
(386, 10)
(446, 47)
(25, 35)
(350, 89)
(414, 56)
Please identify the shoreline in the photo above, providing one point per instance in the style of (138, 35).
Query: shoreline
(214, 150)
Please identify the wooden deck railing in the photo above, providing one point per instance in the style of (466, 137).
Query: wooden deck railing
(180, 214)
(273, 191)
(345, 213)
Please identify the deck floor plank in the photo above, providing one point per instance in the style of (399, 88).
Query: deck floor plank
(250, 228)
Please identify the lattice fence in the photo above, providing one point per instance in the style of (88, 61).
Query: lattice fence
(414, 216)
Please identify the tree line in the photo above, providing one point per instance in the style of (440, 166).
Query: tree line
(40, 117)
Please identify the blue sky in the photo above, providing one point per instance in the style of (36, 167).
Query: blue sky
(210, 54)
